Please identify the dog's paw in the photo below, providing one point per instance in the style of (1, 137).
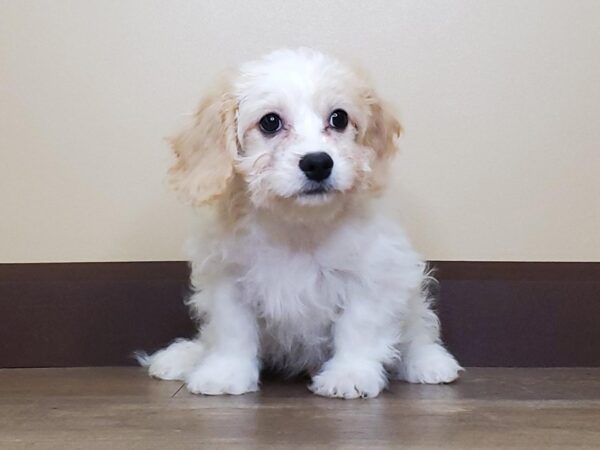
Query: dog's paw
(174, 362)
(218, 375)
(429, 364)
(349, 380)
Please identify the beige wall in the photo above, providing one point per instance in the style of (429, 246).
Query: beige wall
(500, 101)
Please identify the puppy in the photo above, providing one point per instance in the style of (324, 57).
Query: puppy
(297, 274)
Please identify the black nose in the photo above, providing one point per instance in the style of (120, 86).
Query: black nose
(316, 166)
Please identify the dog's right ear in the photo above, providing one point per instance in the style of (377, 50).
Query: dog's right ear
(205, 150)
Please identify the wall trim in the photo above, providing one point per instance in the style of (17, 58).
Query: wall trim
(508, 314)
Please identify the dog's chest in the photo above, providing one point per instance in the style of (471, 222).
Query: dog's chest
(296, 297)
(285, 285)
(296, 292)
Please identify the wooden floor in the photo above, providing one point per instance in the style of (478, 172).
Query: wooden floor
(121, 408)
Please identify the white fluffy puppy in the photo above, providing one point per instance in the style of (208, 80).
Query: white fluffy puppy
(298, 274)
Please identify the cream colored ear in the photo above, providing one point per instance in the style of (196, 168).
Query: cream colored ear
(381, 135)
(383, 130)
(204, 151)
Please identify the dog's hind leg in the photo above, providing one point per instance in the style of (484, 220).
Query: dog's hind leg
(174, 362)
(423, 358)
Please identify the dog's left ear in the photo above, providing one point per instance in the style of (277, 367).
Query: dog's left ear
(381, 134)
(383, 129)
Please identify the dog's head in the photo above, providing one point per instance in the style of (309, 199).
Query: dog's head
(299, 128)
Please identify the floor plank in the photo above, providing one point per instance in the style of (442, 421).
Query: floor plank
(121, 408)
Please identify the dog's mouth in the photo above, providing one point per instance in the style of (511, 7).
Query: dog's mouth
(315, 195)
(316, 190)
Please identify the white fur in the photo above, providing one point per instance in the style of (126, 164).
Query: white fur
(299, 283)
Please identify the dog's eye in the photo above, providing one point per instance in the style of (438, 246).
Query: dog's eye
(338, 119)
(270, 123)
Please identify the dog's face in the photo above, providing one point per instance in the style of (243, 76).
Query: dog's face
(300, 128)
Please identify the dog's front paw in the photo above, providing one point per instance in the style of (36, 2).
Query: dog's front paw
(218, 375)
(349, 380)
(430, 364)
